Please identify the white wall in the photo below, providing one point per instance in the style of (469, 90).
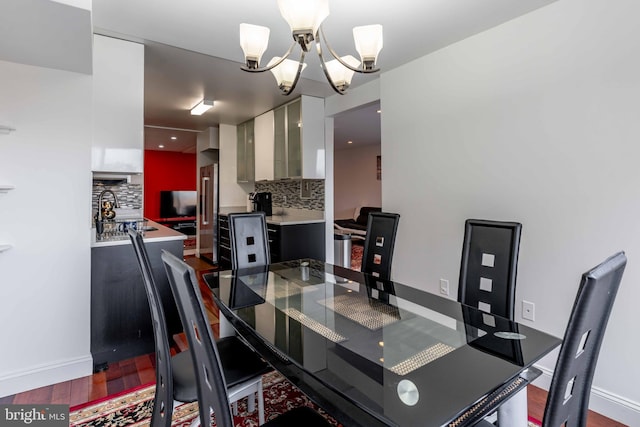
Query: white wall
(534, 121)
(45, 278)
(355, 182)
(333, 105)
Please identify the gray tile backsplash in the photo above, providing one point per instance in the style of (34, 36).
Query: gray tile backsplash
(286, 193)
(129, 195)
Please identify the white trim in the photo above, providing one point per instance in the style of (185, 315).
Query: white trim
(43, 375)
(601, 401)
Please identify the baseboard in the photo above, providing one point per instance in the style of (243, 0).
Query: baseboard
(43, 375)
(604, 402)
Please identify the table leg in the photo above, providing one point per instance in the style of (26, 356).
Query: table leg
(226, 329)
(514, 411)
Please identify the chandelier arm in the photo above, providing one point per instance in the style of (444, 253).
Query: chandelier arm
(336, 56)
(272, 66)
(295, 81)
(326, 72)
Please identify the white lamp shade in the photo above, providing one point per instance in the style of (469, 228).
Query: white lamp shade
(254, 40)
(341, 75)
(286, 72)
(368, 41)
(304, 14)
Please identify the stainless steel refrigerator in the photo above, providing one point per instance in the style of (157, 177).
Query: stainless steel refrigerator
(208, 214)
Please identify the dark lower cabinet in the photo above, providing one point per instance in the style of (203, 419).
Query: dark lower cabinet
(286, 242)
(120, 319)
(224, 243)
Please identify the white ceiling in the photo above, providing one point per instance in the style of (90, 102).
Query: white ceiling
(192, 49)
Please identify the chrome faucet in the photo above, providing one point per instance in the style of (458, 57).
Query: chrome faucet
(100, 216)
(115, 202)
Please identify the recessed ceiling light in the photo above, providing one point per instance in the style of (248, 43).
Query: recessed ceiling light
(160, 146)
(349, 142)
(174, 138)
(379, 111)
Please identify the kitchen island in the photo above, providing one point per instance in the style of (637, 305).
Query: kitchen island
(121, 325)
(293, 234)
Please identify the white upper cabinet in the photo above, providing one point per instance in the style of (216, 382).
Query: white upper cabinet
(263, 134)
(246, 163)
(299, 139)
(118, 106)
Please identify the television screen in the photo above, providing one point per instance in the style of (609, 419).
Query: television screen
(177, 203)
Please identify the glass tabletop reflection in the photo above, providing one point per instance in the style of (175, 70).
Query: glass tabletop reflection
(404, 356)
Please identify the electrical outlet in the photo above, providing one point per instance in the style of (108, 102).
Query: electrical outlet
(528, 310)
(305, 189)
(444, 286)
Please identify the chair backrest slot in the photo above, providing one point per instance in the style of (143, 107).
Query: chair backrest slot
(568, 391)
(484, 306)
(488, 260)
(583, 343)
(486, 284)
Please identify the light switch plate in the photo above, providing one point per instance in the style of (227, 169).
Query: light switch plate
(444, 287)
(528, 310)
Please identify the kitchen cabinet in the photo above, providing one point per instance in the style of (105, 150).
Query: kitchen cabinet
(264, 148)
(224, 242)
(120, 318)
(118, 106)
(296, 241)
(245, 152)
(299, 139)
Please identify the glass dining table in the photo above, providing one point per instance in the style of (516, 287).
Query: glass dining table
(373, 352)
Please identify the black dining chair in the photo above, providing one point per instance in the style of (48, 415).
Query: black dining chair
(175, 376)
(175, 379)
(249, 240)
(568, 398)
(489, 266)
(379, 244)
(205, 353)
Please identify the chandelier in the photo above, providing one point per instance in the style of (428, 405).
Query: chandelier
(305, 19)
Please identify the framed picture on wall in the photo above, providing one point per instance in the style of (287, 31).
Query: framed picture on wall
(379, 168)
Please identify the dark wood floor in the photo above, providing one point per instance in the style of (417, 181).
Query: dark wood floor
(140, 370)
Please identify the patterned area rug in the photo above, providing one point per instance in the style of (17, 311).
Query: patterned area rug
(356, 257)
(133, 408)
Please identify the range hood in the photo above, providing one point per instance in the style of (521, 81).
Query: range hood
(118, 177)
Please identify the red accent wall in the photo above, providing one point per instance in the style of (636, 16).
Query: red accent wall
(166, 170)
